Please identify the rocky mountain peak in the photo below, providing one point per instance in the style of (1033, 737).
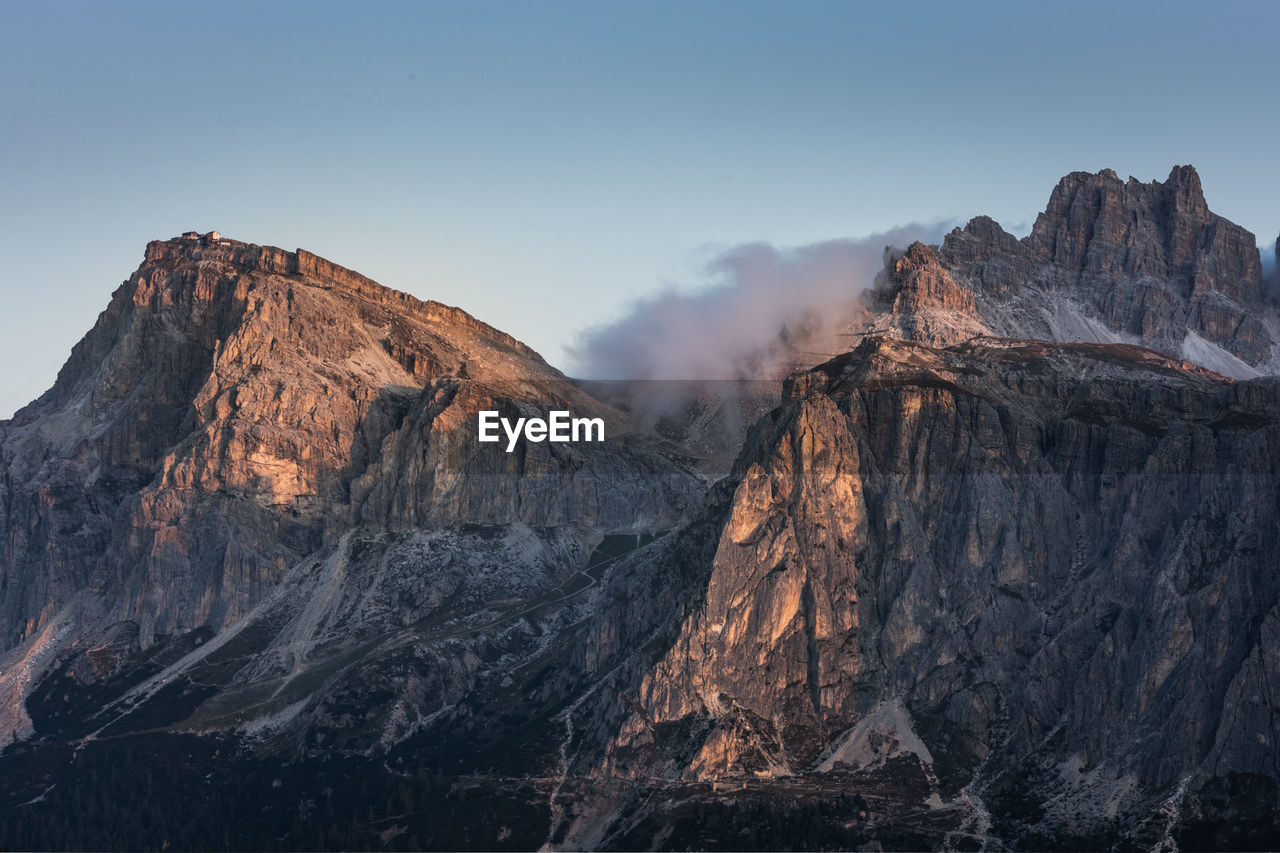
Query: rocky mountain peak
(1097, 224)
(249, 258)
(978, 241)
(1183, 186)
(1126, 261)
(225, 411)
(928, 304)
(205, 330)
(917, 257)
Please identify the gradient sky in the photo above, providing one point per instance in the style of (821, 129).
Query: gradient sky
(543, 164)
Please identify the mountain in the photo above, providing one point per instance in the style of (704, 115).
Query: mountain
(1023, 588)
(237, 409)
(1108, 261)
(999, 575)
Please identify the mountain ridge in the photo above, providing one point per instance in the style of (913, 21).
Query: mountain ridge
(261, 380)
(997, 574)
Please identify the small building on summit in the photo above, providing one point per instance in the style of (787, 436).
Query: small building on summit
(190, 235)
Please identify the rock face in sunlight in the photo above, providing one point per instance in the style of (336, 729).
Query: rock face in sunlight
(999, 574)
(1022, 555)
(928, 304)
(238, 408)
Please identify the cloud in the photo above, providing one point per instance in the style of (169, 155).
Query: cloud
(730, 328)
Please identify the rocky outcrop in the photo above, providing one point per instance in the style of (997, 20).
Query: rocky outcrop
(1113, 260)
(1036, 549)
(217, 424)
(1097, 225)
(928, 305)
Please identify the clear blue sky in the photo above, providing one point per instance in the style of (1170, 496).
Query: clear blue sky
(542, 164)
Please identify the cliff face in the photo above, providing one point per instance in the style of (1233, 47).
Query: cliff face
(237, 408)
(1211, 279)
(928, 304)
(1024, 569)
(1116, 261)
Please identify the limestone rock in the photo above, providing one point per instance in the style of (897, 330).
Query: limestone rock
(928, 304)
(1002, 574)
(1037, 548)
(1123, 261)
(220, 422)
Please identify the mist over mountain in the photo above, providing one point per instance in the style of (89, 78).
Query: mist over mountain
(1271, 262)
(990, 564)
(730, 328)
